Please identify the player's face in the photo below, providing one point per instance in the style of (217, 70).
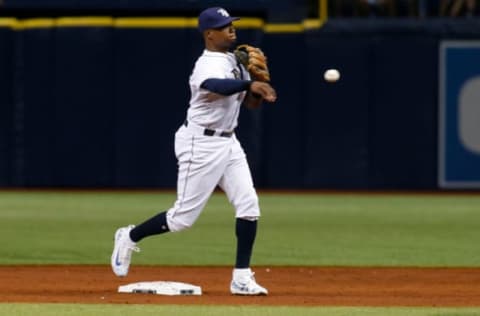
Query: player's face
(223, 38)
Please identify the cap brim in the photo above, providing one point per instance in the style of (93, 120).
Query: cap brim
(225, 22)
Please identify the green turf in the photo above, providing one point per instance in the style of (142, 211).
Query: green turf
(315, 229)
(309, 229)
(174, 310)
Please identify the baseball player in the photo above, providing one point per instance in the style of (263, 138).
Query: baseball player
(208, 152)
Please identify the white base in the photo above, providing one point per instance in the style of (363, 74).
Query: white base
(161, 288)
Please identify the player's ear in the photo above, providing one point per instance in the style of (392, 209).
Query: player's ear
(208, 34)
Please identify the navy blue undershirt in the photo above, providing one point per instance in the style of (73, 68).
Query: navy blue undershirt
(226, 86)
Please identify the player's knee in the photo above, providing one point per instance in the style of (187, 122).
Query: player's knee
(248, 207)
(252, 201)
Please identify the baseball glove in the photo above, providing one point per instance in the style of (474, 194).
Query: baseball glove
(253, 59)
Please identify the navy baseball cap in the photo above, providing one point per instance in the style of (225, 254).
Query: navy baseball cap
(213, 18)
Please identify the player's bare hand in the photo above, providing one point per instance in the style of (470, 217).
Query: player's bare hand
(265, 90)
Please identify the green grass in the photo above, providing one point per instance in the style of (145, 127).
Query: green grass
(309, 229)
(173, 310)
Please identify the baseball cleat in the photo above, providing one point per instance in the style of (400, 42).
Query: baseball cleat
(244, 284)
(122, 251)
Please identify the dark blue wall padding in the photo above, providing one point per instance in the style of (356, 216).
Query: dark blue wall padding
(38, 131)
(403, 119)
(151, 95)
(6, 105)
(282, 138)
(336, 130)
(99, 106)
(84, 114)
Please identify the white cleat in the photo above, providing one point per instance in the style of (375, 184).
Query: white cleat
(243, 283)
(122, 251)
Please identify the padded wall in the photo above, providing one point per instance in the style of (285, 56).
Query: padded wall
(151, 94)
(38, 132)
(403, 119)
(337, 114)
(6, 106)
(83, 114)
(284, 122)
(99, 106)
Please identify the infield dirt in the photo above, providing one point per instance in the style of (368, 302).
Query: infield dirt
(305, 286)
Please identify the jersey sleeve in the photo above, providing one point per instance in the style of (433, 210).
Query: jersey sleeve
(225, 86)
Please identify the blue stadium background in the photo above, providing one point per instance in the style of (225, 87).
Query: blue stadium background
(97, 105)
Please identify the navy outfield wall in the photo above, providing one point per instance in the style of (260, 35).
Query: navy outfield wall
(378, 124)
(6, 106)
(98, 106)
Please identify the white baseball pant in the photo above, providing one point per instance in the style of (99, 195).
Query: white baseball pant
(203, 163)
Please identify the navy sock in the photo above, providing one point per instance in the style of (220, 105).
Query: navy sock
(246, 231)
(154, 226)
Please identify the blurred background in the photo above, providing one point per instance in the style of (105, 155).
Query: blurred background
(92, 92)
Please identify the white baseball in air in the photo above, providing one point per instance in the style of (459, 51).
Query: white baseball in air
(331, 75)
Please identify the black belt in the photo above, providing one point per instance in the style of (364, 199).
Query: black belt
(211, 132)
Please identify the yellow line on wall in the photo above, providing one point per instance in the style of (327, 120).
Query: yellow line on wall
(178, 22)
(38, 23)
(310, 24)
(284, 28)
(155, 22)
(35, 24)
(8, 22)
(152, 22)
(84, 21)
(322, 11)
(255, 23)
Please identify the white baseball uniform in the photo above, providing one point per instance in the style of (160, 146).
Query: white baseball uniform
(213, 157)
